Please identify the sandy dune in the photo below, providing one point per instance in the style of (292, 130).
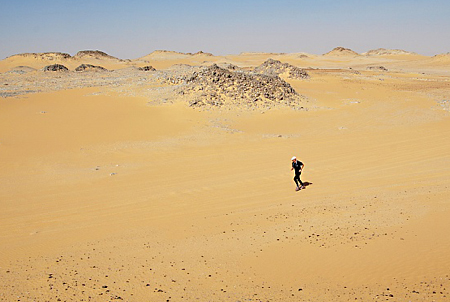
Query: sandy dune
(125, 192)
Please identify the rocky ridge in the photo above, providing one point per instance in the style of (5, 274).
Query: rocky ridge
(49, 56)
(95, 54)
(387, 52)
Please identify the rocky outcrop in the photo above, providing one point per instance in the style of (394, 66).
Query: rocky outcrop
(229, 66)
(198, 53)
(55, 67)
(216, 86)
(147, 68)
(89, 67)
(275, 68)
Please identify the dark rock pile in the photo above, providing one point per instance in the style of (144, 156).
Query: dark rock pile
(377, 68)
(275, 67)
(55, 67)
(147, 68)
(216, 86)
(89, 67)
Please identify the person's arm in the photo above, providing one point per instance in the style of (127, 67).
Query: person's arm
(301, 169)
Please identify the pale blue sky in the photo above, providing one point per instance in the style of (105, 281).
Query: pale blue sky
(134, 28)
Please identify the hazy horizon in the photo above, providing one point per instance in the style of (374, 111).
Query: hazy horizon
(135, 28)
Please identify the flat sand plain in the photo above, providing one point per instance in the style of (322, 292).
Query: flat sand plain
(106, 196)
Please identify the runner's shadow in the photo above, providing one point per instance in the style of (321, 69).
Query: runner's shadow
(307, 183)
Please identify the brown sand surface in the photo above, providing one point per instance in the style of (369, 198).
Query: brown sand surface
(106, 196)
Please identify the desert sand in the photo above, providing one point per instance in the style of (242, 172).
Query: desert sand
(174, 184)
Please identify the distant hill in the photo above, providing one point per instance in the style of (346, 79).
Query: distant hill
(52, 56)
(442, 55)
(261, 53)
(387, 52)
(341, 51)
(41, 60)
(94, 54)
(169, 54)
(49, 56)
(443, 58)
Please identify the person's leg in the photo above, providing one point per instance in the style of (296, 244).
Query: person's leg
(300, 181)
(297, 180)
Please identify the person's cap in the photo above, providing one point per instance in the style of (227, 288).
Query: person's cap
(293, 157)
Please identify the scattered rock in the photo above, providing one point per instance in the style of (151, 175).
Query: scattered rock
(89, 67)
(21, 70)
(445, 105)
(377, 68)
(55, 67)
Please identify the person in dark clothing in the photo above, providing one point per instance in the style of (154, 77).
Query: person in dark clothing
(298, 167)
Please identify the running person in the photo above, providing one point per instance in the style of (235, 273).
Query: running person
(298, 167)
